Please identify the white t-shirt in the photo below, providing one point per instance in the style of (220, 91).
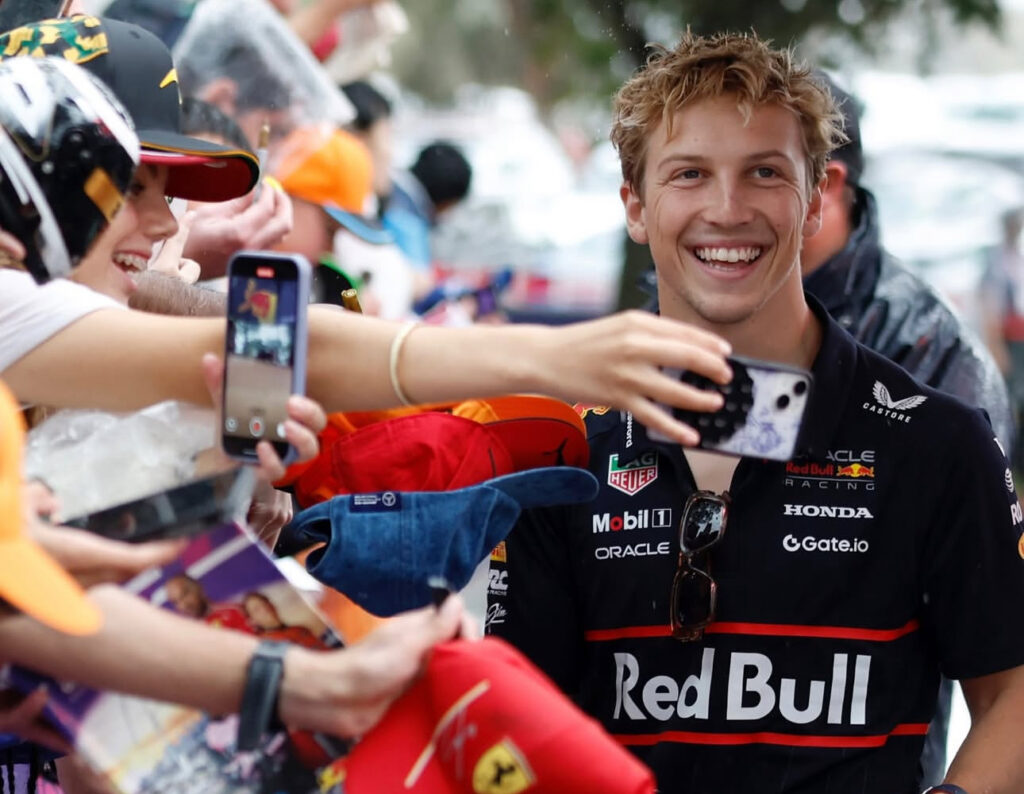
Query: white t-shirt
(30, 314)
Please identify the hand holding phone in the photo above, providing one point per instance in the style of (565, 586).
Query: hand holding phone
(265, 350)
(762, 414)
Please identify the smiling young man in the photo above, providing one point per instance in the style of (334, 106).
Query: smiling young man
(885, 552)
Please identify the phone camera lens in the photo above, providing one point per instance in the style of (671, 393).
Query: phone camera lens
(799, 387)
(782, 402)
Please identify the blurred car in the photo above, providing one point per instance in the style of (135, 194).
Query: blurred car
(940, 214)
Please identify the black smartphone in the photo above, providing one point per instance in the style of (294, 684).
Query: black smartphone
(183, 511)
(265, 349)
(763, 412)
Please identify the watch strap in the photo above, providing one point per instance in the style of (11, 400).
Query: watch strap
(258, 713)
(945, 788)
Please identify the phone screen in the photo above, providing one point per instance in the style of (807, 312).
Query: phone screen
(265, 303)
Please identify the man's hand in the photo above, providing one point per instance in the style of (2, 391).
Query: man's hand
(250, 222)
(346, 692)
(23, 717)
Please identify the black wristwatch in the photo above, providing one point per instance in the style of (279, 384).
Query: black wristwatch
(945, 788)
(258, 715)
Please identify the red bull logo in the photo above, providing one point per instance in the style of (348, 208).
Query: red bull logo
(585, 410)
(811, 469)
(856, 470)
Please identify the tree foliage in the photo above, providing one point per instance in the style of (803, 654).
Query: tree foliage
(560, 48)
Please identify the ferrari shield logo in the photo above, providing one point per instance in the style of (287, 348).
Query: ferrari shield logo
(630, 478)
(502, 770)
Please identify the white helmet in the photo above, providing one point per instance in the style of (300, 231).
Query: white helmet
(68, 153)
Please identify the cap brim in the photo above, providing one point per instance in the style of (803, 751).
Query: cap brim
(200, 170)
(366, 229)
(553, 485)
(34, 583)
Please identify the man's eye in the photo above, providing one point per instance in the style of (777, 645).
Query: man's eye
(136, 189)
(688, 173)
(766, 171)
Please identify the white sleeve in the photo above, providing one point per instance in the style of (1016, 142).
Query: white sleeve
(30, 314)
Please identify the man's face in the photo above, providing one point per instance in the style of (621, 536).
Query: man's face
(724, 209)
(187, 597)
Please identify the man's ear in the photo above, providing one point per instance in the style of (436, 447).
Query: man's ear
(812, 219)
(636, 223)
(221, 92)
(835, 179)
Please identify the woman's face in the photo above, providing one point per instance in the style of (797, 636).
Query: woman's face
(261, 613)
(124, 248)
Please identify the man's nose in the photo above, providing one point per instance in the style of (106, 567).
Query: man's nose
(728, 204)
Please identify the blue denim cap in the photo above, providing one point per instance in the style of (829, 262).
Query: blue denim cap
(382, 547)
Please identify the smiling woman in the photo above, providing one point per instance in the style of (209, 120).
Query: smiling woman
(125, 247)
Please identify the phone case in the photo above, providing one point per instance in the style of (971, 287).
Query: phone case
(303, 271)
(763, 411)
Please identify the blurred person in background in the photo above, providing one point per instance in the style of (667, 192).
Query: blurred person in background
(373, 126)
(314, 21)
(895, 312)
(1002, 296)
(883, 303)
(328, 174)
(438, 180)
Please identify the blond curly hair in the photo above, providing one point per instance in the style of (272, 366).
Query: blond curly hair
(706, 67)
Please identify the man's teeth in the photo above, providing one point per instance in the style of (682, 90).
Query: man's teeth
(746, 254)
(131, 262)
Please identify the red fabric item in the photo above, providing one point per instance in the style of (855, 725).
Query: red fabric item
(484, 720)
(422, 452)
(439, 447)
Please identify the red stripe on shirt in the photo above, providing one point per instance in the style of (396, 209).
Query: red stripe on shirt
(760, 629)
(787, 739)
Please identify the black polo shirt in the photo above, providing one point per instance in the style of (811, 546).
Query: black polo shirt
(847, 579)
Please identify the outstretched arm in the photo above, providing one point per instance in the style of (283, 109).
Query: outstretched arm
(150, 652)
(118, 360)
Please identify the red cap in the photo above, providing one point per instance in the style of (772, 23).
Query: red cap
(537, 431)
(484, 720)
(420, 452)
(443, 448)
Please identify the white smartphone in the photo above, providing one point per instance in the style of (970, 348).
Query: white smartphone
(763, 412)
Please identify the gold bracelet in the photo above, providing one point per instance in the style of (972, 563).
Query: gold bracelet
(396, 352)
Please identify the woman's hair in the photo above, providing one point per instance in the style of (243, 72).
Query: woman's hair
(727, 64)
